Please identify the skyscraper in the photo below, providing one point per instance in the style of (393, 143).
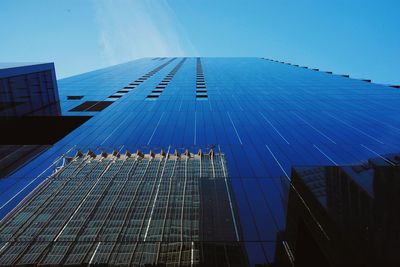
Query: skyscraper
(257, 117)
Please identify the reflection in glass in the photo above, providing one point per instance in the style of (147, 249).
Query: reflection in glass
(343, 215)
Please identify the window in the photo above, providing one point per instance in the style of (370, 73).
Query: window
(92, 106)
(153, 96)
(74, 97)
(7, 105)
(201, 96)
(84, 106)
(100, 106)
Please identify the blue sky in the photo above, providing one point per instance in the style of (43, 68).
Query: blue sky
(360, 38)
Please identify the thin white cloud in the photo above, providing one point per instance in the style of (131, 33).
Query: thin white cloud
(134, 29)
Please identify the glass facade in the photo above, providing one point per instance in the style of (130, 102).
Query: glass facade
(265, 117)
(128, 210)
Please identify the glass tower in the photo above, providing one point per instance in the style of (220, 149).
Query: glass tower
(130, 187)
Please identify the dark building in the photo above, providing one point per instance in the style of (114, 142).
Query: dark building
(343, 215)
(25, 90)
(28, 89)
(261, 116)
(30, 113)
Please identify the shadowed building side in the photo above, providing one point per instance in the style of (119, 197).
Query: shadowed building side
(343, 215)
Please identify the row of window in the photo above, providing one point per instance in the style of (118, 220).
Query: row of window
(93, 106)
(201, 90)
(329, 72)
(137, 82)
(164, 83)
